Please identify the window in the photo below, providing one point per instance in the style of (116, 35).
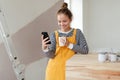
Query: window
(76, 8)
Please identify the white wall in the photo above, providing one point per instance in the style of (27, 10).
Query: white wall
(76, 8)
(24, 16)
(19, 13)
(36, 70)
(85, 18)
(1, 24)
(25, 20)
(0, 39)
(102, 23)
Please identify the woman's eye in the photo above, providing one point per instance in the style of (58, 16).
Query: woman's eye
(59, 21)
(64, 21)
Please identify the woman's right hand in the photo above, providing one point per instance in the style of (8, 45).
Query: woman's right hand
(44, 43)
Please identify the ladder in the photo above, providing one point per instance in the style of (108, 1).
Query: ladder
(18, 68)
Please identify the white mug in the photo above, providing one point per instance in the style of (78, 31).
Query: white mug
(113, 57)
(102, 57)
(62, 41)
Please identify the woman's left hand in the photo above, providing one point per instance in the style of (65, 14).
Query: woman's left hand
(67, 42)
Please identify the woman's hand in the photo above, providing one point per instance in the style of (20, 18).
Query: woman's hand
(64, 41)
(67, 42)
(44, 43)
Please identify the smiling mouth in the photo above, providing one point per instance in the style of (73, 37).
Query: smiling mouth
(63, 27)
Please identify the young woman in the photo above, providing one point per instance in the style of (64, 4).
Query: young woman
(72, 39)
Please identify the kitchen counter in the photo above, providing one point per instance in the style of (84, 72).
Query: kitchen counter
(87, 67)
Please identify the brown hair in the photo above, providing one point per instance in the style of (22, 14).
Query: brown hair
(64, 10)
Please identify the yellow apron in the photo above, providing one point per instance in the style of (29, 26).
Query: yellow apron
(56, 67)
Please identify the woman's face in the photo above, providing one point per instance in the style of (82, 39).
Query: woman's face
(63, 22)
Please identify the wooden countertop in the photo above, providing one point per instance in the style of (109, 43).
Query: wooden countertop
(87, 67)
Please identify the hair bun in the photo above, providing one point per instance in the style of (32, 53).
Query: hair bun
(64, 6)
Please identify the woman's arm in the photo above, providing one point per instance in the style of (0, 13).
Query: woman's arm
(50, 51)
(81, 45)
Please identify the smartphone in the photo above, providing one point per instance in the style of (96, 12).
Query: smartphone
(45, 35)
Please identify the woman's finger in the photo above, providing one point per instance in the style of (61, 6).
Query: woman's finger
(42, 37)
(67, 42)
(45, 39)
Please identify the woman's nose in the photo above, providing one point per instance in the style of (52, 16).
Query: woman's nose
(62, 23)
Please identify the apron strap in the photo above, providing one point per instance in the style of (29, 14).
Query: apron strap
(56, 36)
(74, 32)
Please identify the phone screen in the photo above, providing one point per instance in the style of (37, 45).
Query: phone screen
(45, 35)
